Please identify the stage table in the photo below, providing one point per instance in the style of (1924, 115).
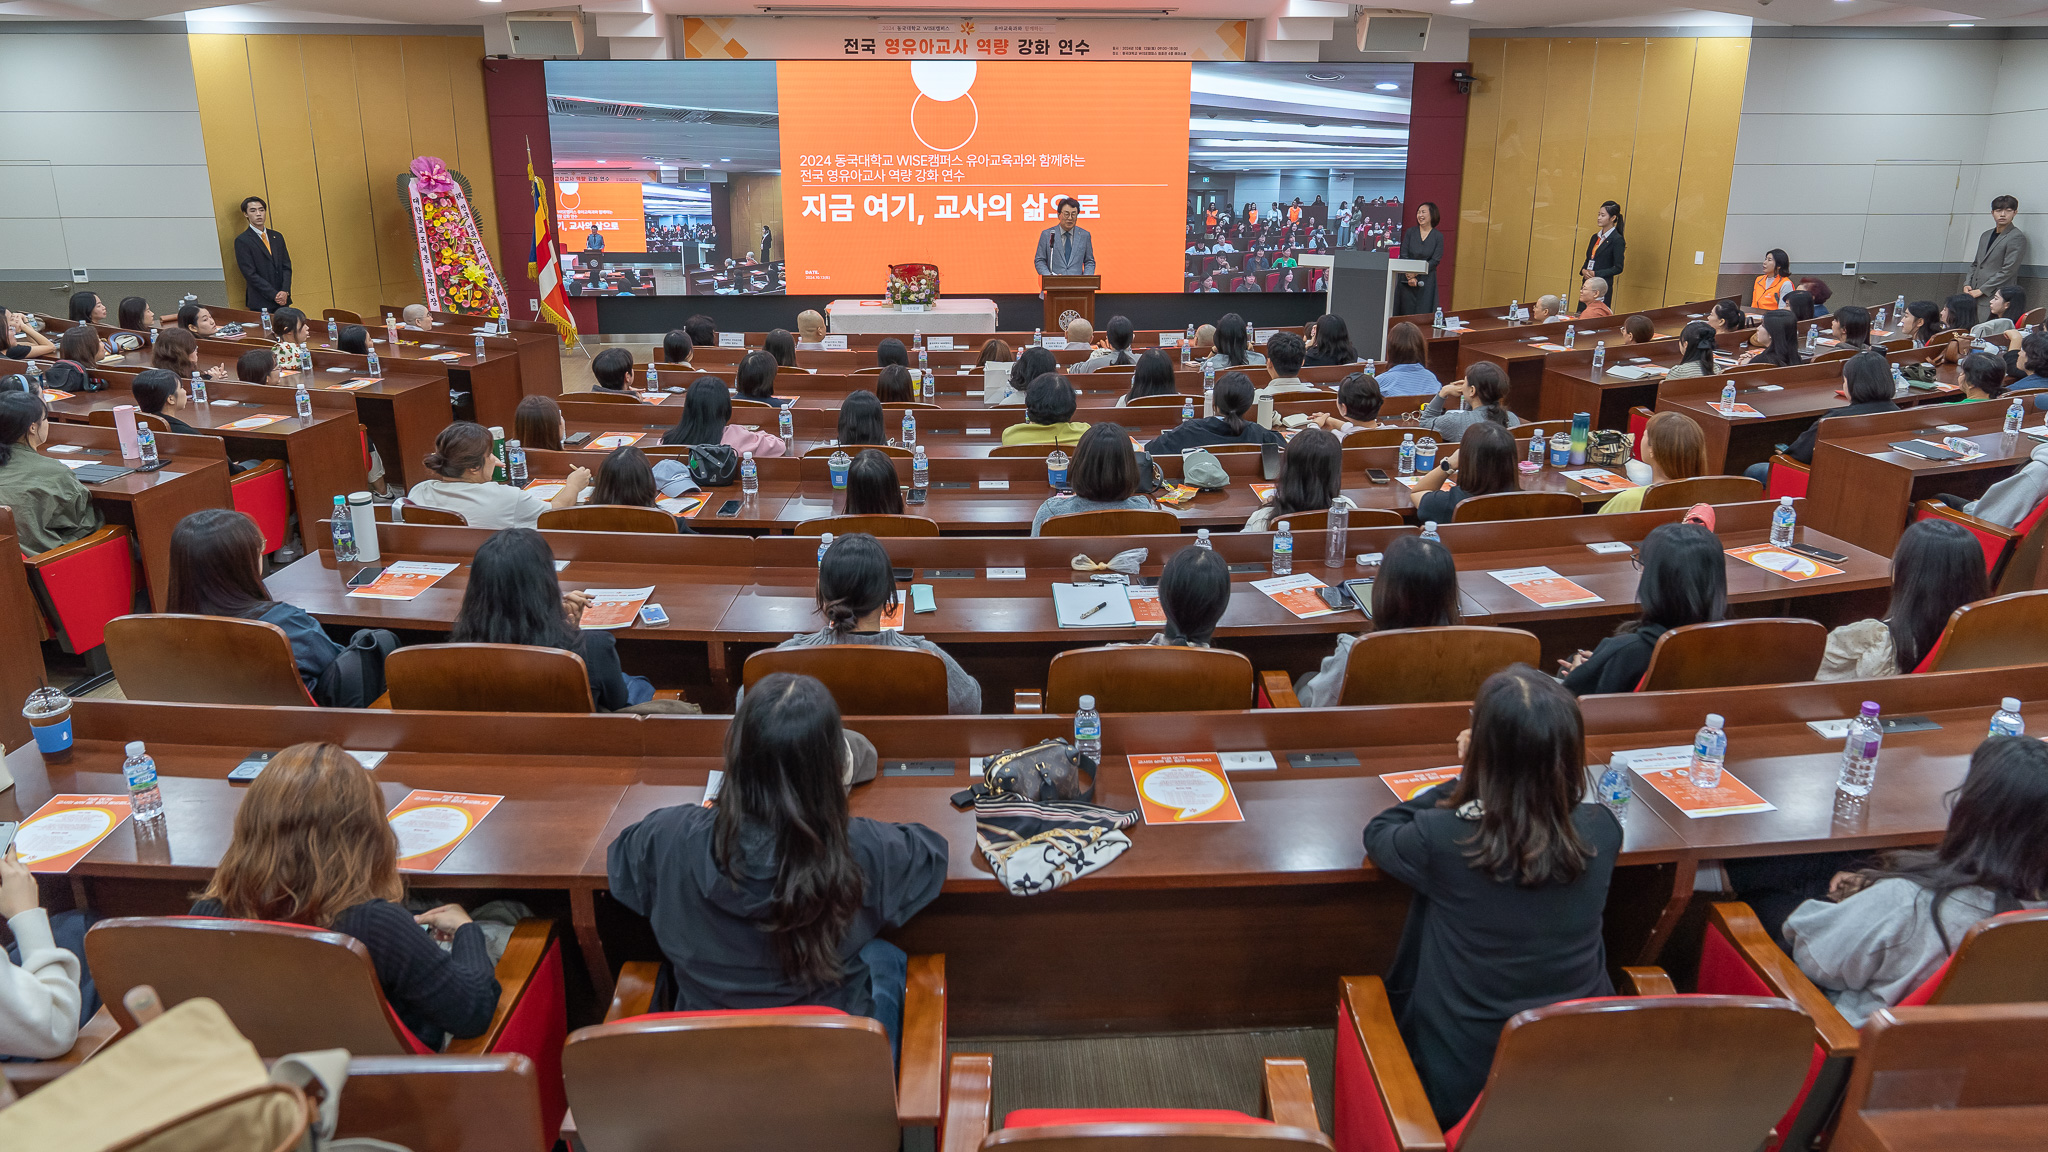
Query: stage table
(953, 314)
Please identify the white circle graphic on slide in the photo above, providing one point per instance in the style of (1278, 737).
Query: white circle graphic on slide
(943, 81)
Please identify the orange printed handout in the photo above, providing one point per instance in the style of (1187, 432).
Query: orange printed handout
(614, 607)
(431, 824)
(1409, 785)
(404, 580)
(1668, 771)
(59, 834)
(1185, 789)
(1545, 587)
(1790, 565)
(1301, 594)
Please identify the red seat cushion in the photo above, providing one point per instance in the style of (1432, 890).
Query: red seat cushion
(88, 588)
(1786, 482)
(1048, 1117)
(791, 1010)
(1723, 972)
(1457, 1131)
(1924, 994)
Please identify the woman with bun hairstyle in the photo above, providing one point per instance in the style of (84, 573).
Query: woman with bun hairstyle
(462, 462)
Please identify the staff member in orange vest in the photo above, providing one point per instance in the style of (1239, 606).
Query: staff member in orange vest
(261, 255)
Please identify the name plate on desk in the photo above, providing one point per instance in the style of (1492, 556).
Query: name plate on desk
(732, 339)
(912, 307)
(939, 343)
(833, 344)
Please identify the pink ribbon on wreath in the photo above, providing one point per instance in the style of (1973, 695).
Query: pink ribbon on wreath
(432, 175)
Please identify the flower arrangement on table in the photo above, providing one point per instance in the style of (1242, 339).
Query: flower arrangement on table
(454, 266)
(913, 284)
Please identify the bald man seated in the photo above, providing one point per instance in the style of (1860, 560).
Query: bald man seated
(1080, 333)
(1593, 299)
(415, 318)
(1544, 309)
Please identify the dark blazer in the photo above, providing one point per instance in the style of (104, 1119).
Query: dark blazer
(1606, 257)
(1802, 448)
(1617, 663)
(268, 272)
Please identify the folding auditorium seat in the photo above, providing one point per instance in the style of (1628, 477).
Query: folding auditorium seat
(1733, 653)
(82, 585)
(1437, 665)
(1788, 478)
(1994, 633)
(1701, 490)
(1144, 678)
(864, 680)
(1289, 1123)
(2011, 555)
(264, 494)
(204, 660)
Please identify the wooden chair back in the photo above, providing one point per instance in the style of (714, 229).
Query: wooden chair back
(1516, 506)
(900, 405)
(875, 525)
(1732, 653)
(1144, 678)
(2001, 960)
(1166, 400)
(609, 518)
(1746, 369)
(1994, 633)
(1702, 490)
(408, 513)
(1835, 354)
(1697, 1072)
(104, 418)
(261, 973)
(1942, 1077)
(1028, 451)
(750, 402)
(733, 1083)
(603, 396)
(1431, 665)
(1113, 522)
(341, 315)
(889, 450)
(864, 679)
(204, 660)
(444, 1103)
(487, 678)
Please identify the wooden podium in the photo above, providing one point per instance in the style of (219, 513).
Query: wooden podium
(1068, 294)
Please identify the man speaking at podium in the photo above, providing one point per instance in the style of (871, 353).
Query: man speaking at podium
(1065, 250)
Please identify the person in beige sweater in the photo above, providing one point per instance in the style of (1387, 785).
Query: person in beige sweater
(1938, 568)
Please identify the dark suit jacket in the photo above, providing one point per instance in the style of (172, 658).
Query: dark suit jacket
(267, 271)
(1606, 258)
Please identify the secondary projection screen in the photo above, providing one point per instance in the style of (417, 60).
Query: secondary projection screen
(812, 177)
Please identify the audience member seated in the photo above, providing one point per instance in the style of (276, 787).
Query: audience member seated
(1120, 333)
(1684, 581)
(1850, 326)
(1867, 376)
(311, 846)
(1510, 864)
(1674, 448)
(19, 339)
(1103, 475)
(1232, 399)
(538, 423)
(1938, 568)
(87, 308)
(1232, 342)
(1358, 403)
(81, 345)
(135, 314)
(178, 351)
(1405, 375)
(1545, 308)
(1639, 328)
(1726, 317)
(777, 897)
(1982, 376)
(1483, 464)
(1885, 930)
(707, 419)
(1330, 343)
(1194, 592)
(353, 339)
(611, 370)
(856, 587)
(1311, 480)
(462, 463)
(703, 332)
(217, 570)
(1819, 292)
(1417, 587)
(860, 420)
(1922, 322)
(51, 508)
(1481, 396)
(1152, 377)
(415, 318)
(1079, 333)
(40, 996)
(1959, 311)
(289, 325)
(2008, 502)
(1593, 299)
(1799, 303)
(893, 385)
(994, 352)
(872, 486)
(1765, 293)
(676, 348)
(257, 366)
(160, 393)
(810, 328)
(891, 351)
(2007, 306)
(1696, 344)
(513, 597)
(780, 345)
(196, 319)
(755, 379)
(1048, 414)
(1776, 343)
(1284, 352)
(2028, 363)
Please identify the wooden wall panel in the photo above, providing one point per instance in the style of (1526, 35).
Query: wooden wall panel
(277, 77)
(429, 101)
(227, 124)
(1482, 125)
(473, 148)
(1653, 177)
(337, 126)
(1610, 135)
(387, 146)
(1560, 164)
(1525, 80)
(1719, 68)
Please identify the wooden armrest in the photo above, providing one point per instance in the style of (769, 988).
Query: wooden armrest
(93, 541)
(1029, 703)
(967, 1102)
(1745, 933)
(1973, 523)
(1279, 688)
(523, 954)
(1649, 980)
(1286, 1097)
(920, 1083)
(1786, 459)
(668, 694)
(633, 995)
(1393, 1071)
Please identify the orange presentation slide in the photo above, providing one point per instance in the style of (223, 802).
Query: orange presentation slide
(613, 208)
(957, 163)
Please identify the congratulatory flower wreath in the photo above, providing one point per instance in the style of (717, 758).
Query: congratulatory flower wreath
(454, 266)
(913, 284)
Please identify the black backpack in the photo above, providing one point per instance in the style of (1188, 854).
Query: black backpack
(356, 678)
(714, 465)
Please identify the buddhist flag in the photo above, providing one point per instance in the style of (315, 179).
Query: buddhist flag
(544, 264)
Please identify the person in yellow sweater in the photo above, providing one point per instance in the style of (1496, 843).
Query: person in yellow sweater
(1674, 448)
(1048, 414)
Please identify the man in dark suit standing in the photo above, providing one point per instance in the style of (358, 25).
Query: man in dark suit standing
(261, 255)
(1065, 249)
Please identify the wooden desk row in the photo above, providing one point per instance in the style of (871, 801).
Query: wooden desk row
(1863, 490)
(1212, 926)
(1789, 398)
(1489, 325)
(150, 503)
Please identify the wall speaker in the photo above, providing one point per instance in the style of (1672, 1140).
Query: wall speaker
(1392, 33)
(541, 36)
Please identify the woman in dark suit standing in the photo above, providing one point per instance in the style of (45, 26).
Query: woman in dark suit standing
(1415, 295)
(1604, 250)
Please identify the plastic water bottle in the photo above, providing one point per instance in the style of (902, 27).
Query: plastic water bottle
(1709, 753)
(653, 380)
(1337, 536)
(1429, 531)
(1405, 466)
(145, 438)
(1617, 786)
(344, 529)
(785, 424)
(2007, 721)
(1783, 521)
(1187, 347)
(152, 337)
(1571, 335)
(2015, 415)
(1813, 337)
(266, 322)
(1187, 409)
(924, 361)
(480, 347)
(198, 389)
(145, 799)
(928, 386)
(1208, 378)
(1859, 754)
(920, 475)
(515, 463)
(391, 330)
(1038, 337)
(1728, 398)
(1899, 306)
(1537, 445)
(303, 401)
(750, 475)
(1878, 320)
(1599, 357)
(1369, 368)
(909, 427)
(1514, 311)
(333, 331)
(1202, 539)
(1437, 320)
(917, 338)
(1088, 730)
(1898, 379)
(375, 370)
(1283, 549)
(824, 542)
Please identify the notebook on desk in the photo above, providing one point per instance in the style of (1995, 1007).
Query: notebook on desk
(99, 473)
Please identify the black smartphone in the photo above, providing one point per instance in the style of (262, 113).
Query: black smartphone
(366, 576)
(1337, 597)
(1818, 553)
(576, 441)
(250, 767)
(1376, 475)
(1269, 459)
(730, 508)
(161, 464)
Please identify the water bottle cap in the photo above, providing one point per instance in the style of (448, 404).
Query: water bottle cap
(743, 455)
(1285, 527)
(1201, 533)
(1714, 720)
(1429, 525)
(1407, 437)
(1784, 501)
(135, 748)
(824, 539)
(1087, 703)
(2010, 704)
(1870, 708)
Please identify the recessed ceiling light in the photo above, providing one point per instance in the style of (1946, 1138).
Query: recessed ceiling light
(1962, 25)
(1461, 1)
(1386, 87)
(725, 159)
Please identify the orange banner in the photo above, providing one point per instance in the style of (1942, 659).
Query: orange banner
(960, 164)
(612, 208)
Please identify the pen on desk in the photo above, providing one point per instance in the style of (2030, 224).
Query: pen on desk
(1092, 611)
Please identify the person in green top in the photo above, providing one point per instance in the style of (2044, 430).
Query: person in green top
(1287, 260)
(51, 508)
(1048, 414)
(1674, 448)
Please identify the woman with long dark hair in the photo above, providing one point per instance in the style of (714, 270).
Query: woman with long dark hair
(1311, 480)
(177, 351)
(625, 477)
(1867, 378)
(872, 486)
(1606, 248)
(51, 508)
(1233, 398)
(1938, 568)
(1886, 930)
(755, 379)
(1510, 865)
(781, 347)
(1332, 344)
(217, 570)
(513, 597)
(1483, 464)
(1696, 344)
(1233, 345)
(1776, 342)
(893, 385)
(1152, 377)
(1119, 333)
(1684, 581)
(462, 463)
(707, 419)
(1481, 397)
(1922, 322)
(1415, 292)
(777, 896)
(860, 420)
(1417, 587)
(135, 314)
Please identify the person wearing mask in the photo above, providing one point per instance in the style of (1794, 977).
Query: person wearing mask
(676, 348)
(311, 846)
(1417, 587)
(1405, 375)
(1415, 293)
(1767, 293)
(810, 329)
(1120, 333)
(891, 352)
(1938, 568)
(1284, 354)
(860, 420)
(1593, 299)
(872, 486)
(1545, 308)
(1152, 377)
(1726, 317)
(893, 385)
(1232, 342)
(197, 320)
(538, 424)
(1232, 398)
(755, 379)
(514, 597)
(217, 570)
(1483, 464)
(265, 263)
(856, 587)
(780, 346)
(87, 308)
(462, 464)
(353, 339)
(1311, 480)
(23, 341)
(777, 896)
(1194, 592)
(1850, 326)
(1331, 344)
(707, 419)
(51, 508)
(1639, 329)
(1684, 581)
(1885, 930)
(177, 351)
(611, 371)
(1776, 343)
(1696, 344)
(135, 314)
(1102, 476)
(2000, 250)
(1358, 404)
(702, 331)
(1048, 414)
(1510, 865)
(2008, 305)
(996, 352)
(1674, 448)
(1481, 396)
(43, 987)
(1867, 377)
(1606, 248)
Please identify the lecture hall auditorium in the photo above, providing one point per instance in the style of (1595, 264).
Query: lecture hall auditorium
(1553, 659)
